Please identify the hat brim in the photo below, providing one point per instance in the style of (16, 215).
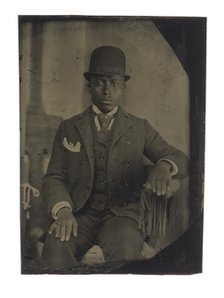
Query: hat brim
(87, 75)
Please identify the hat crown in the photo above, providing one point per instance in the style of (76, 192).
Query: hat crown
(107, 60)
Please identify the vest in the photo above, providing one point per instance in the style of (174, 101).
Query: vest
(101, 146)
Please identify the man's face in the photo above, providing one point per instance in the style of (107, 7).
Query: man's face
(106, 91)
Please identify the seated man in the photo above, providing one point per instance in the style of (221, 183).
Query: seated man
(96, 173)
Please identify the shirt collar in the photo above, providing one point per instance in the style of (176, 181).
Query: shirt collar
(97, 111)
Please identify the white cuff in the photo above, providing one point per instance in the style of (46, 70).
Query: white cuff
(174, 167)
(59, 206)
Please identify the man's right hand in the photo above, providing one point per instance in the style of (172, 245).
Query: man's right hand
(65, 225)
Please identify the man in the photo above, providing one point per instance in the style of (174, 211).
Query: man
(96, 172)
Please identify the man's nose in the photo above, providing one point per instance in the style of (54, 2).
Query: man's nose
(107, 88)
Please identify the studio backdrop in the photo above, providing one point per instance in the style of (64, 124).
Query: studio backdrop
(54, 54)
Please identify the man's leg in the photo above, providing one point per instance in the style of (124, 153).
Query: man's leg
(121, 239)
(65, 254)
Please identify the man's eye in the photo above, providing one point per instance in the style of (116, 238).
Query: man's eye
(115, 83)
(98, 83)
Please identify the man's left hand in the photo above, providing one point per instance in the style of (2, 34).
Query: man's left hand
(160, 179)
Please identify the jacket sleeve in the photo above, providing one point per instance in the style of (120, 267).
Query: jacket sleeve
(55, 181)
(157, 148)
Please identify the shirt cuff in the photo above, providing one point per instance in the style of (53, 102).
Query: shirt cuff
(57, 207)
(174, 168)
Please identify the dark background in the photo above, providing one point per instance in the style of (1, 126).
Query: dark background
(187, 37)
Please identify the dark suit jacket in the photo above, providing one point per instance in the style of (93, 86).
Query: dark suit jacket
(70, 174)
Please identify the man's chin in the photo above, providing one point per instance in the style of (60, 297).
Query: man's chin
(106, 107)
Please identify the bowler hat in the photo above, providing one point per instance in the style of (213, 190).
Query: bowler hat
(108, 61)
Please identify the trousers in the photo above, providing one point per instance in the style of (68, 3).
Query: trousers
(119, 238)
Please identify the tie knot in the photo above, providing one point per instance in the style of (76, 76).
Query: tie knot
(104, 121)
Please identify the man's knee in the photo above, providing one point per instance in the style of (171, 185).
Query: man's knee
(57, 253)
(53, 244)
(121, 239)
(125, 249)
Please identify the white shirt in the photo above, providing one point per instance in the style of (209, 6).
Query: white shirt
(97, 112)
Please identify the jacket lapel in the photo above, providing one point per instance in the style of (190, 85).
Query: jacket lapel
(84, 127)
(121, 124)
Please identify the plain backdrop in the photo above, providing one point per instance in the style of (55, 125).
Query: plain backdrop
(55, 54)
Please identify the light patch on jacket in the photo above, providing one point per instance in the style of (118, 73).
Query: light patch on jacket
(70, 146)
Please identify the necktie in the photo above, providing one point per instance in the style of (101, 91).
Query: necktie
(104, 122)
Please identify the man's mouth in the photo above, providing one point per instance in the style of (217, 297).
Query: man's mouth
(106, 101)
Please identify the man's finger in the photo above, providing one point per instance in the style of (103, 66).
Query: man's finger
(74, 229)
(158, 187)
(147, 185)
(169, 188)
(63, 232)
(164, 187)
(57, 231)
(52, 228)
(153, 185)
(68, 231)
